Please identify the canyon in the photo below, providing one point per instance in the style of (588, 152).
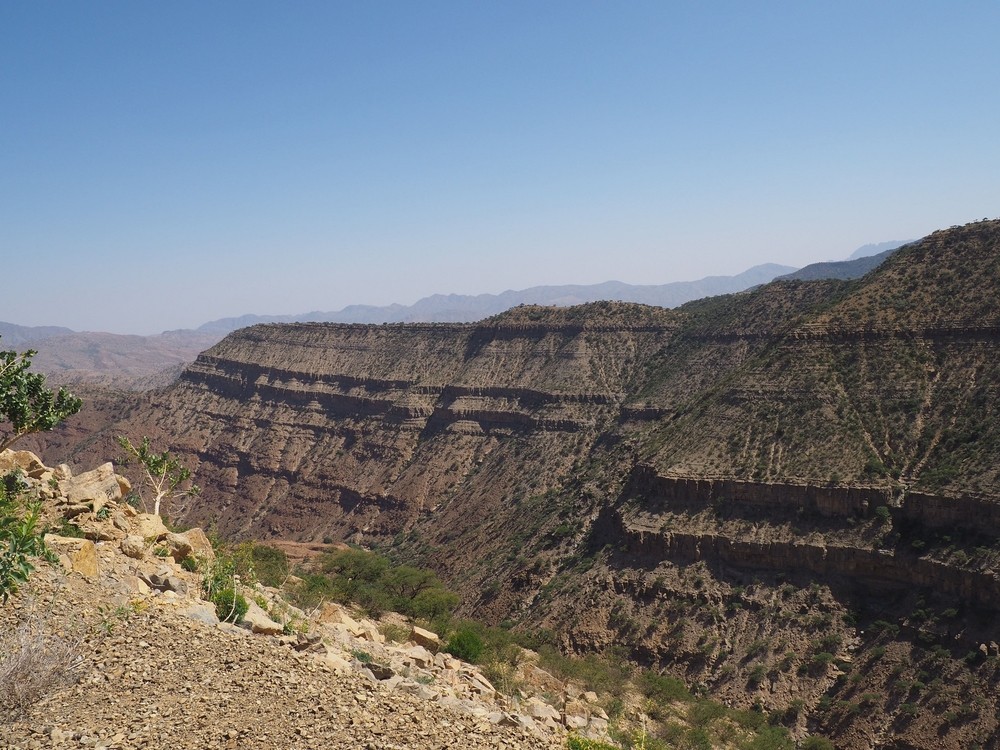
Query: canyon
(787, 496)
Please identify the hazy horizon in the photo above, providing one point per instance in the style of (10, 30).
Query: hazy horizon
(168, 165)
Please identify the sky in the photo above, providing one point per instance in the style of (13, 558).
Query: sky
(167, 164)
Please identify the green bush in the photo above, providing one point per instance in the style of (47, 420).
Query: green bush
(433, 604)
(704, 711)
(230, 606)
(314, 589)
(599, 674)
(270, 564)
(575, 742)
(816, 743)
(664, 688)
(466, 644)
(20, 536)
(371, 582)
(771, 738)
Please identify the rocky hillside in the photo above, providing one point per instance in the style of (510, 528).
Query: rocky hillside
(787, 496)
(112, 646)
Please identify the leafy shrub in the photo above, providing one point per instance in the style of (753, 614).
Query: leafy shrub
(598, 674)
(394, 633)
(26, 403)
(370, 581)
(664, 688)
(270, 564)
(20, 536)
(362, 656)
(576, 742)
(816, 743)
(68, 529)
(771, 738)
(823, 658)
(757, 675)
(230, 606)
(433, 604)
(466, 644)
(705, 711)
(313, 590)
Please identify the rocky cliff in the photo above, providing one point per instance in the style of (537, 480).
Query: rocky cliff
(615, 471)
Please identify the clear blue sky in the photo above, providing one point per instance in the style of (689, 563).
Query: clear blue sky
(165, 164)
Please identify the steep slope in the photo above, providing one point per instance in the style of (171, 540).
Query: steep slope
(754, 491)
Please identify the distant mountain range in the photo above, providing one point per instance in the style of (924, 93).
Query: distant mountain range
(466, 308)
(139, 362)
(878, 248)
(843, 269)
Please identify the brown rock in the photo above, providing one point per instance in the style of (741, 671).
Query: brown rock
(26, 461)
(260, 622)
(96, 488)
(84, 560)
(149, 527)
(192, 543)
(133, 546)
(425, 638)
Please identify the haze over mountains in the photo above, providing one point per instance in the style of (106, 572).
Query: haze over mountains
(140, 362)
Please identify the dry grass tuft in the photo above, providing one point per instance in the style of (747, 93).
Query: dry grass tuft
(34, 663)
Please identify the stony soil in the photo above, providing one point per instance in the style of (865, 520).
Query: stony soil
(152, 675)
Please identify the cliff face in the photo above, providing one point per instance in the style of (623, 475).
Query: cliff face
(312, 430)
(654, 479)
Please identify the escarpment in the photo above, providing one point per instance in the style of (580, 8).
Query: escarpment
(776, 467)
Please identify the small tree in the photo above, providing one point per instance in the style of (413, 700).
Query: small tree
(163, 475)
(26, 403)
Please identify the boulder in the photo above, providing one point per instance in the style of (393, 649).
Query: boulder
(336, 662)
(149, 527)
(26, 461)
(202, 612)
(161, 582)
(576, 722)
(538, 709)
(260, 622)
(133, 546)
(76, 555)
(135, 585)
(597, 727)
(84, 560)
(481, 686)
(193, 543)
(334, 614)
(419, 656)
(370, 632)
(425, 638)
(96, 488)
(99, 532)
(381, 671)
